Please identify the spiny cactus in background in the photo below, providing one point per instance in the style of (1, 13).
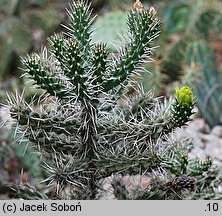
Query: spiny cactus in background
(205, 80)
(109, 27)
(154, 78)
(185, 22)
(85, 127)
(21, 27)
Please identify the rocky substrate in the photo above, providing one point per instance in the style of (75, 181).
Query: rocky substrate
(207, 142)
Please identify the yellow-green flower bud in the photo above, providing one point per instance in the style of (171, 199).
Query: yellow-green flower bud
(184, 95)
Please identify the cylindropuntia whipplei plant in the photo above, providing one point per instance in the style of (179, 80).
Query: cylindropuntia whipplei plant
(82, 131)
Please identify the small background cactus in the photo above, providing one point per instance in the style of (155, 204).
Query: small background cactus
(204, 76)
(109, 28)
(23, 28)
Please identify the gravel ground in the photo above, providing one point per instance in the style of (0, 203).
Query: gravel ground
(207, 142)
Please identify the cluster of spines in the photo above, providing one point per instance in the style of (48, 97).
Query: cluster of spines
(143, 30)
(197, 167)
(99, 63)
(181, 114)
(69, 55)
(80, 23)
(44, 78)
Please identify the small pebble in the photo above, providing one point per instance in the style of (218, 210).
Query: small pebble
(217, 131)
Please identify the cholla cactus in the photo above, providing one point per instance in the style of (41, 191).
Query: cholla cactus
(85, 126)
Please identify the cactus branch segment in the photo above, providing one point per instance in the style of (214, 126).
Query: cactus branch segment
(80, 22)
(39, 70)
(144, 28)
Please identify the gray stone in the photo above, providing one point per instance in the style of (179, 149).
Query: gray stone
(130, 183)
(5, 123)
(217, 163)
(217, 131)
(210, 139)
(212, 149)
(219, 156)
(197, 125)
(198, 152)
